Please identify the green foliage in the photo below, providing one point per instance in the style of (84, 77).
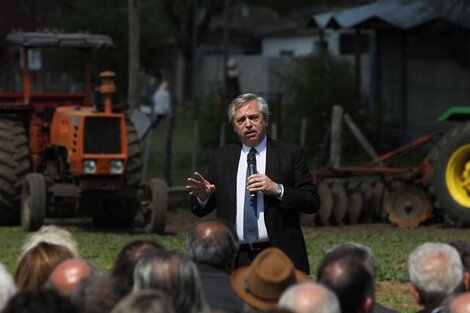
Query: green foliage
(318, 82)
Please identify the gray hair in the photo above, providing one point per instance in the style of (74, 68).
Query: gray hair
(173, 273)
(436, 271)
(213, 242)
(243, 99)
(309, 297)
(7, 286)
(144, 301)
(51, 234)
(357, 250)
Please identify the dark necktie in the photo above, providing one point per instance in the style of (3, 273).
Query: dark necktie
(250, 222)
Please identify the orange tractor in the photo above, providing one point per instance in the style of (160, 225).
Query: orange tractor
(62, 156)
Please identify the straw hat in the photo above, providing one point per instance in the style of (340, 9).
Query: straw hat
(262, 283)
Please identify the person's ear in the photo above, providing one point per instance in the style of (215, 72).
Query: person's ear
(466, 281)
(414, 293)
(367, 305)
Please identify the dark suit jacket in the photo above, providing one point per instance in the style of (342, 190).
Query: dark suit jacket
(285, 164)
(218, 291)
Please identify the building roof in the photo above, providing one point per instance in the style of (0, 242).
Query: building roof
(55, 39)
(401, 14)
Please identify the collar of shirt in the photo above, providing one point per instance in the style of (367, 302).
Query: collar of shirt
(260, 148)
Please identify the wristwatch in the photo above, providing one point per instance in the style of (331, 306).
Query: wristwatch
(278, 192)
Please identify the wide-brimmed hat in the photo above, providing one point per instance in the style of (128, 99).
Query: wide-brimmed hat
(262, 283)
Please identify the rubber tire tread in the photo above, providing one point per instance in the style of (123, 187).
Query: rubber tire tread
(159, 191)
(134, 159)
(15, 163)
(452, 140)
(38, 199)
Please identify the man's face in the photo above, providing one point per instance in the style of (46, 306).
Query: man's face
(249, 124)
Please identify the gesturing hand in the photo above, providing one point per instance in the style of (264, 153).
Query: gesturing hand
(199, 187)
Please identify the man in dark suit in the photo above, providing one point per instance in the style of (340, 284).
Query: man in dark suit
(272, 198)
(213, 245)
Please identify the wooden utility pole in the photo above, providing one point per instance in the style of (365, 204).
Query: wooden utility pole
(134, 49)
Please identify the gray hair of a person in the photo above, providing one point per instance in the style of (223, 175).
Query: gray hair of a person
(309, 297)
(51, 234)
(435, 268)
(212, 242)
(7, 286)
(244, 99)
(145, 301)
(174, 273)
(359, 250)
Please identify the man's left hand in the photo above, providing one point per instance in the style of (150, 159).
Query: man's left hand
(261, 182)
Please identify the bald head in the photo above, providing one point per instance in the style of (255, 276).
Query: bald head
(67, 275)
(459, 304)
(309, 298)
(212, 242)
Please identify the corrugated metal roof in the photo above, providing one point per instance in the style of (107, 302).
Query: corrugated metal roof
(403, 14)
(55, 39)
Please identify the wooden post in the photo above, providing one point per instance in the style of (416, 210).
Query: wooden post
(134, 49)
(360, 137)
(195, 145)
(274, 130)
(336, 130)
(222, 135)
(168, 145)
(303, 131)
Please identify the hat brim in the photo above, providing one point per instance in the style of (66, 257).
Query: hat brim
(238, 278)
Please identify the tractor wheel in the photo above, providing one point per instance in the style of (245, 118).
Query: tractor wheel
(14, 165)
(367, 214)
(407, 206)
(450, 175)
(378, 189)
(33, 202)
(355, 202)
(340, 200)
(155, 214)
(134, 161)
(326, 208)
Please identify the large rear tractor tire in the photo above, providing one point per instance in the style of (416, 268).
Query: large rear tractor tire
(156, 213)
(14, 165)
(134, 160)
(450, 175)
(33, 202)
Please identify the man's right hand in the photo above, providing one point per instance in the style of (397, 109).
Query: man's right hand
(199, 187)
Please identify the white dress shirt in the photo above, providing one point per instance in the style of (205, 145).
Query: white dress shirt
(241, 186)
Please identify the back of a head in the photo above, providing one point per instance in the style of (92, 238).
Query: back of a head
(36, 265)
(173, 273)
(145, 301)
(52, 235)
(309, 297)
(7, 286)
(130, 254)
(436, 272)
(349, 279)
(457, 304)
(353, 250)
(67, 276)
(98, 294)
(40, 301)
(213, 242)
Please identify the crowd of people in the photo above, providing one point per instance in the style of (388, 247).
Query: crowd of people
(147, 277)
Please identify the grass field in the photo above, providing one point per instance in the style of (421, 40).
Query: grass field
(391, 247)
